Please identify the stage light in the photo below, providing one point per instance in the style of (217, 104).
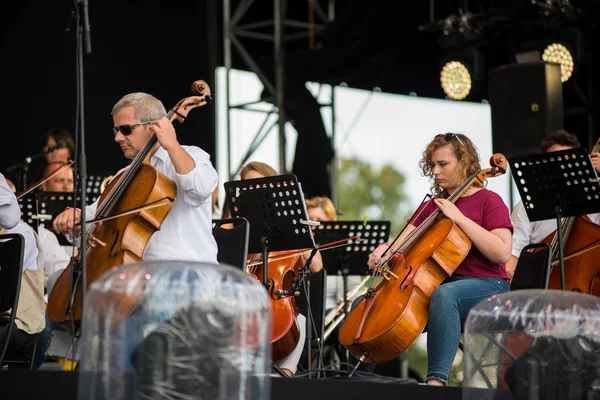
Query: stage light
(456, 80)
(462, 73)
(559, 54)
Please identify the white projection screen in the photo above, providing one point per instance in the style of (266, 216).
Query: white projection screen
(375, 126)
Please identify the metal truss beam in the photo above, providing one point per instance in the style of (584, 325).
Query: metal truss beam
(233, 32)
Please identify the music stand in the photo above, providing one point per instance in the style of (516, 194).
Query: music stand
(30, 211)
(52, 204)
(94, 187)
(556, 185)
(276, 210)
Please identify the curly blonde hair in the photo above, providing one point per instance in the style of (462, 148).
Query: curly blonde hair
(465, 152)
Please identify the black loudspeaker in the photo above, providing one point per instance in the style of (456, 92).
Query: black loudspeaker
(527, 105)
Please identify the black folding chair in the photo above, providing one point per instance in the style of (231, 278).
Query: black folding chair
(533, 268)
(232, 241)
(12, 248)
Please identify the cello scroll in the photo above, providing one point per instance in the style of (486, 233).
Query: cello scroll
(184, 106)
(498, 166)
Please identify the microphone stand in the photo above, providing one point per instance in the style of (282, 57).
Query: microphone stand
(21, 176)
(305, 271)
(80, 124)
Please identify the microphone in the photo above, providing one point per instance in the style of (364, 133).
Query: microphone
(25, 163)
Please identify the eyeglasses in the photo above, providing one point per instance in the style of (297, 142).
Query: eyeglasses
(127, 129)
(448, 137)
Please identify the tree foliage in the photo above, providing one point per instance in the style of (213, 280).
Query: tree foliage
(377, 193)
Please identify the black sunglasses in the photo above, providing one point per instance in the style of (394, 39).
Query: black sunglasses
(448, 137)
(127, 129)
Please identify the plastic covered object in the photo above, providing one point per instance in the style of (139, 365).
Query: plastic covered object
(536, 344)
(175, 330)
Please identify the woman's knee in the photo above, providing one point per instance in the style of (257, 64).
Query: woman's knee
(443, 297)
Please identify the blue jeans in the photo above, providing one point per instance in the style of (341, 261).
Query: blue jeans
(450, 304)
(43, 343)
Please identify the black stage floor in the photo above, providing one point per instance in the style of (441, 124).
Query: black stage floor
(60, 385)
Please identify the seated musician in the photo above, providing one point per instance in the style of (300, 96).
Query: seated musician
(289, 364)
(137, 117)
(56, 256)
(321, 208)
(57, 146)
(186, 231)
(29, 320)
(448, 160)
(527, 232)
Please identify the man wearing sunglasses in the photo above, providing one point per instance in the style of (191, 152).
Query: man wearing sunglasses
(186, 232)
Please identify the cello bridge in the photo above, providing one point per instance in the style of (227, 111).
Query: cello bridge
(93, 241)
(387, 274)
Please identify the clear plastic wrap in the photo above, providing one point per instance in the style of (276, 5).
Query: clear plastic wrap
(175, 330)
(537, 344)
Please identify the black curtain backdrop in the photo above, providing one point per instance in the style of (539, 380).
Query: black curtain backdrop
(161, 47)
(153, 46)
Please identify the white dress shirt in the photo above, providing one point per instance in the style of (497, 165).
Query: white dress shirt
(186, 232)
(56, 257)
(10, 212)
(527, 232)
(31, 252)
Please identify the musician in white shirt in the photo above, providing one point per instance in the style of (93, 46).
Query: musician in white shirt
(527, 232)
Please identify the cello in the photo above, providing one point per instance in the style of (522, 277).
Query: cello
(393, 314)
(581, 238)
(282, 273)
(130, 209)
(283, 269)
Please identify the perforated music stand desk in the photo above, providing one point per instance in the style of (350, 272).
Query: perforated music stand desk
(556, 185)
(276, 210)
(351, 259)
(54, 203)
(30, 211)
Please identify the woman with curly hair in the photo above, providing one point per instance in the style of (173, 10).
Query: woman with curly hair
(448, 161)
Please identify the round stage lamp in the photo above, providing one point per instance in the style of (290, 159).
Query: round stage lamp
(559, 54)
(456, 80)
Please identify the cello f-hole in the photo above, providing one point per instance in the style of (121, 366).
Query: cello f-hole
(271, 286)
(402, 285)
(112, 252)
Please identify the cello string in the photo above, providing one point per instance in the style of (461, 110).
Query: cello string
(417, 232)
